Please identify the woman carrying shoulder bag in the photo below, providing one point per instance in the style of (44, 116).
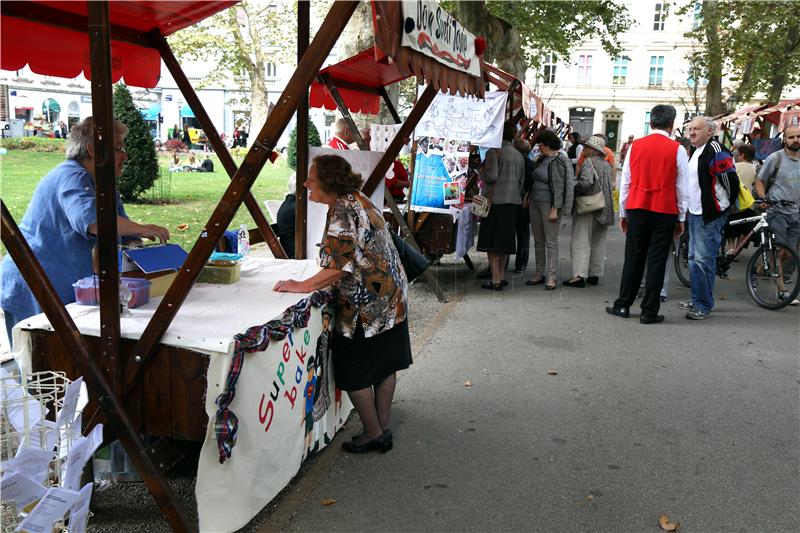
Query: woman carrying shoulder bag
(593, 213)
(550, 196)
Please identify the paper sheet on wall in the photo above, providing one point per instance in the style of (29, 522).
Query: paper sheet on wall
(381, 135)
(466, 118)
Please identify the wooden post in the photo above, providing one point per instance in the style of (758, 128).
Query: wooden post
(301, 172)
(105, 187)
(88, 367)
(512, 88)
(257, 156)
(220, 149)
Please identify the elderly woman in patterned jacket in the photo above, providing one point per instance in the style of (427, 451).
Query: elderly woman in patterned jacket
(370, 339)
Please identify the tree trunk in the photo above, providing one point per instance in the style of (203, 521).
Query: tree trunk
(502, 39)
(714, 105)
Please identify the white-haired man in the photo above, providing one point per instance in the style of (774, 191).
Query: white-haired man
(342, 136)
(60, 224)
(712, 186)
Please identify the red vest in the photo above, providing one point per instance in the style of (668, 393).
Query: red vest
(654, 169)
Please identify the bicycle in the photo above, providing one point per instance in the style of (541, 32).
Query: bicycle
(772, 272)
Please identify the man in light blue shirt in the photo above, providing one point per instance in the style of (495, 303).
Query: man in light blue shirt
(60, 225)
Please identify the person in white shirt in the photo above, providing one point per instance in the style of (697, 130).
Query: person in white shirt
(712, 178)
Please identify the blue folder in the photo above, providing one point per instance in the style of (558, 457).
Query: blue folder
(157, 258)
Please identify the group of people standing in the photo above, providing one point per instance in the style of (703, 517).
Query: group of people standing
(664, 190)
(530, 191)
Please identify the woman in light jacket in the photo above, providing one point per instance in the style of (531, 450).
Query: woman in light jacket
(549, 196)
(590, 230)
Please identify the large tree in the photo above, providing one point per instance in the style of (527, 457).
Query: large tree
(141, 170)
(519, 34)
(754, 44)
(239, 42)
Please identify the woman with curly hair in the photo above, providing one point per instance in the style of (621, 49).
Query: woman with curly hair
(370, 339)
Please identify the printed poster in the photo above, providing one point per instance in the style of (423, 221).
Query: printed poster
(440, 173)
(478, 122)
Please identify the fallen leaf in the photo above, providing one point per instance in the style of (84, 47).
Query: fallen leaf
(552, 371)
(327, 501)
(468, 383)
(666, 525)
(183, 227)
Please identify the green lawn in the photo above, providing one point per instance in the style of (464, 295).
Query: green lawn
(191, 196)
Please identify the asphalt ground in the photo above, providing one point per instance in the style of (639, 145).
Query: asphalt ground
(529, 410)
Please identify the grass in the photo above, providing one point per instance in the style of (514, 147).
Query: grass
(191, 200)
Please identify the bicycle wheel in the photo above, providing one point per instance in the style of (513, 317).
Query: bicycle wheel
(681, 259)
(772, 276)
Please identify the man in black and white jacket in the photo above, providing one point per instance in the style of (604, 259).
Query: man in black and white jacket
(712, 187)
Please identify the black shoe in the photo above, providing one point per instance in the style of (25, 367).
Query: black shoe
(622, 312)
(593, 280)
(492, 286)
(484, 274)
(386, 433)
(380, 443)
(504, 283)
(580, 282)
(534, 282)
(651, 319)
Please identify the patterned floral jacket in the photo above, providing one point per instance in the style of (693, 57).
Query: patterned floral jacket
(357, 241)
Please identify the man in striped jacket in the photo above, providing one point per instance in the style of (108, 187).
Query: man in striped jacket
(712, 188)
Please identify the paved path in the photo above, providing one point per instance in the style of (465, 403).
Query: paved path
(698, 420)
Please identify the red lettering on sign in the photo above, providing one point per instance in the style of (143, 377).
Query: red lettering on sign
(264, 414)
(291, 397)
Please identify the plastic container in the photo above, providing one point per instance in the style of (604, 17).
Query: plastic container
(87, 291)
(221, 272)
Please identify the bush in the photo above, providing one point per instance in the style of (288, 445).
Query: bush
(313, 140)
(141, 169)
(175, 145)
(33, 144)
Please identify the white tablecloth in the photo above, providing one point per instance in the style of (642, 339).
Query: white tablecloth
(269, 402)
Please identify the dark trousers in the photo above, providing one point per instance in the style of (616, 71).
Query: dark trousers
(646, 243)
(523, 227)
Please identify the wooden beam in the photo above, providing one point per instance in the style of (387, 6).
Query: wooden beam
(88, 367)
(105, 187)
(389, 105)
(254, 161)
(393, 149)
(225, 158)
(301, 171)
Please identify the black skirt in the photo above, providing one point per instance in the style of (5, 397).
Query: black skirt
(498, 232)
(363, 362)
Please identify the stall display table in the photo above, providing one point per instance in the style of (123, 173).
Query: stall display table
(279, 391)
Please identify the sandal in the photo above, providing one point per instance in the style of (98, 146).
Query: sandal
(550, 286)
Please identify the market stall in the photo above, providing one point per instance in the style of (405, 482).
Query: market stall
(133, 33)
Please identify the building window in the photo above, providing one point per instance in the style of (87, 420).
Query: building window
(656, 71)
(549, 69)
(698, 15)
(584, 69)
(620, 70)
(272, 70)
(647, 123)
(660, 16)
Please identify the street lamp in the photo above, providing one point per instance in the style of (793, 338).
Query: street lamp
(732, 103)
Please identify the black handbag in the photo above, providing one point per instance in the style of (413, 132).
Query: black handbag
(414, 263)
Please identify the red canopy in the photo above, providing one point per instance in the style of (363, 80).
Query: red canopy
(357, 78)
(52, 38)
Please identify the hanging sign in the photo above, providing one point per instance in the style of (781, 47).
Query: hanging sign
(429, 29)
(466, 118)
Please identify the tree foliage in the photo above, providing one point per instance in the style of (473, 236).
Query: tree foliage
(141, 169)
(519, 34)
(239, 42)
(291, 150)
(755, 44)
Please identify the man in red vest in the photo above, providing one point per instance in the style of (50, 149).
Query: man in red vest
(652, 208)
(342, 136)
